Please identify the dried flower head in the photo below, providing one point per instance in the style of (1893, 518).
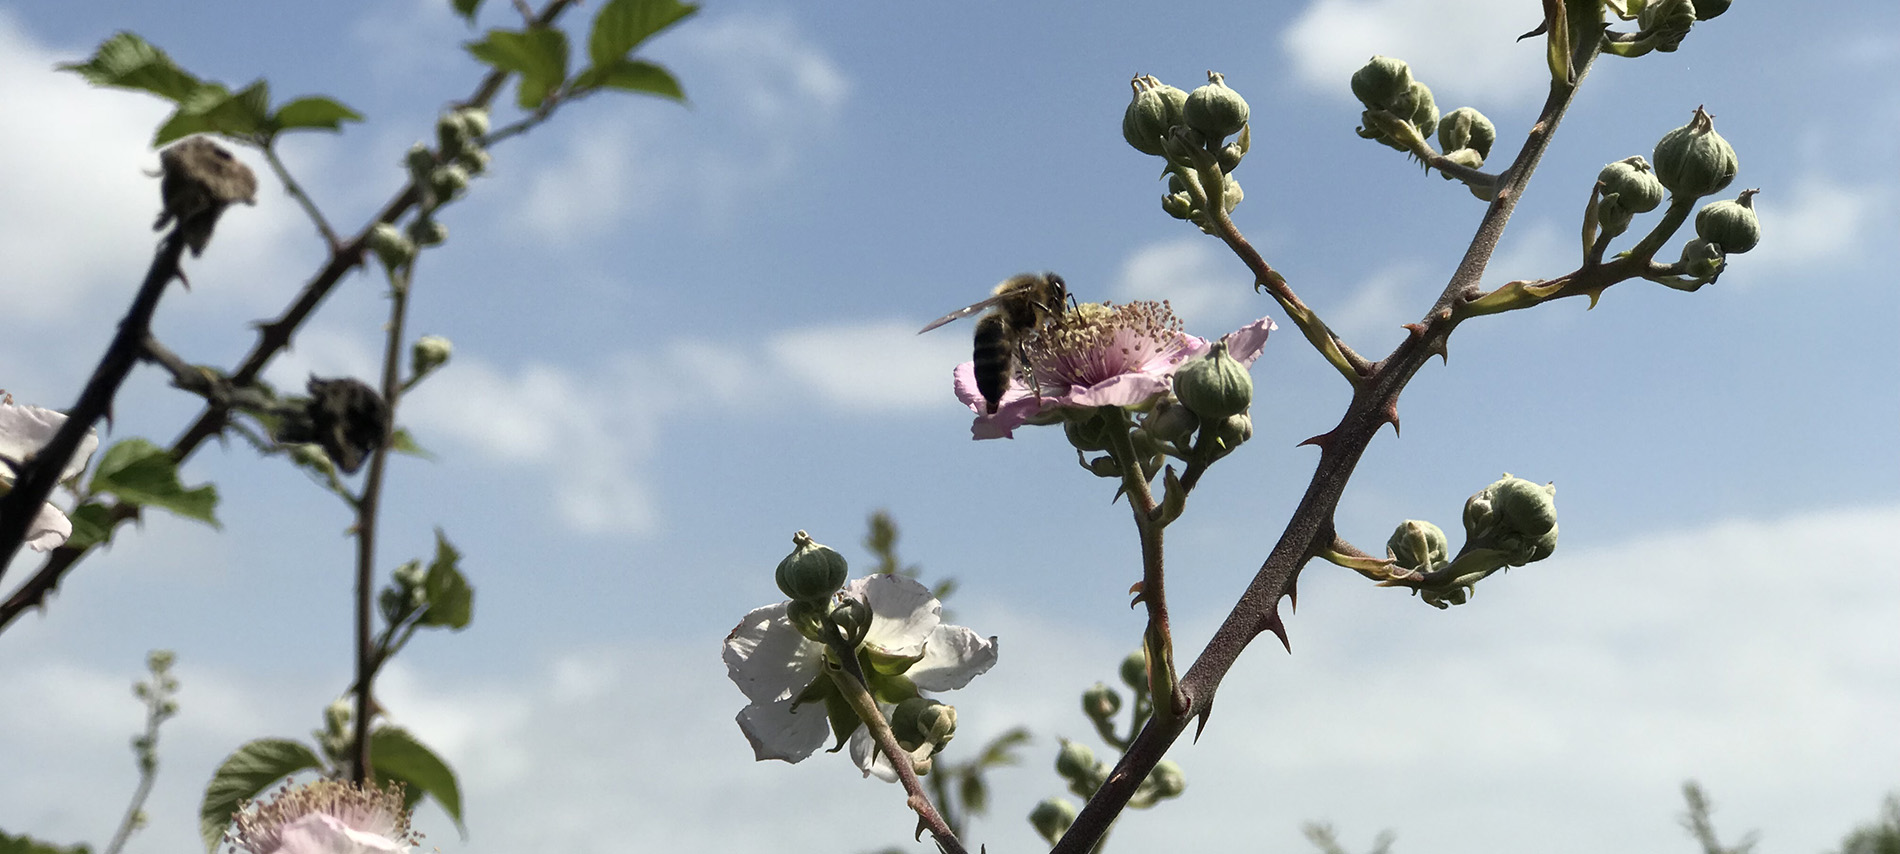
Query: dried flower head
(201, 179)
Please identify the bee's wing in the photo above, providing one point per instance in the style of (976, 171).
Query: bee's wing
(960, 313)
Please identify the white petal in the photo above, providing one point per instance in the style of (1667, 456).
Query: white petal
(903, 613)
(953, 657)
(778, 732)
(868, 758)
(322, 833)
(49, 529)
(26, 429)
(768, 659)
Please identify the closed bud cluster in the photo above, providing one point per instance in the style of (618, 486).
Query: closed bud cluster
(1390, 94)
(1515, 517)
(1077, 764)
(1155, 110)
(1215, 110)
(1134, 671)
(391, 248)
(918, 721)
(812, 572)
(1051, 818)
(1101, 702)
(1419, 546)
(1466, 128)
(1694, 160)
(1665, 23)
(428, 353)
(428, 231)
(1167, 780)
(1702, 259)
(1215, 386)
(1731, 225)
(1624, 189)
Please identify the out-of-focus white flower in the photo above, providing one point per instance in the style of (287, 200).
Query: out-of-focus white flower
(24, 430)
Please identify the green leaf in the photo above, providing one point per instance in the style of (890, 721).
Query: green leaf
(467, 8)
(140, 472)
(451, 600)
(397, 755)
(623, 24)
(538, 54)
(314, 112)
(126, 61)
(632, 75)
(214, 109)
(245, 774)
(92, 525)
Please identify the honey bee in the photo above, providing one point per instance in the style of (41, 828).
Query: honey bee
(1018, 309)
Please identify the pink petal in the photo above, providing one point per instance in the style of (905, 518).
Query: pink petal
(1245, 343)
(1123, 390)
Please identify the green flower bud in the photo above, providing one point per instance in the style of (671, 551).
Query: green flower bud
(1467, 128)
(1215, 386)
(420, 161)
(1178, 205)
(1215, 109)
(1087, 430)
(1419, 546)
(1381, 82)
(1101, 702)
(1418, 108)
(1732, 226)
(428, 353)
(1134, 671)
(1707, 9)
(1513, 516)
(447, 182)
(1667, 22)
(1169, 421)
(1228, 433)
(474, 160)
(428, 232)
(853, 619)
(1702, 259)
(1075, 761)
(1230, 156)
(808, 618)
(1167, 779)
(393, 249)
(918, 721)
(1183, 146)
(1051, 818)
(1155, 110)
(1694, 160)
(812, 572)
(1105, 466)
(474, 122)
(1633, 184)
(1466, 157)
(452, 134)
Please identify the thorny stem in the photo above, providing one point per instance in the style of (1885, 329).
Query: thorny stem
(38, 474)
(367, 506)
(1156, 639)
(296, 191)
(1374, 404)
(851, 683)
(272, 337)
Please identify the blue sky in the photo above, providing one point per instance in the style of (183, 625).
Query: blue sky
(683, 333)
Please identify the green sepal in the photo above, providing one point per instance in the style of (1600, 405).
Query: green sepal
(880, 662)
(451, 600)
(467, 9)
(396, 755)
(538, 54)
(245, 774)
(403, 442)
(844, 720)
(139, 472)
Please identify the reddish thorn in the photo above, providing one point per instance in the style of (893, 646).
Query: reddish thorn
(1278, 629)
(1292, 594)
(1200, 721)
(1319, 441)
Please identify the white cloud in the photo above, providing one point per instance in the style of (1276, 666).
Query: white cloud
(761, 94)
(1814, 221)
(1754, 655)
(1464, 49)
(1204, 284)
(1387, 299)
(880, 366)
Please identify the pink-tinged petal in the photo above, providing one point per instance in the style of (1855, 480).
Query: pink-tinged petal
(768, 659)
(322, 833)
(867, 757)
(953, 657)
(1245, 343)
(903, 613)
(963, 383)
(26, 429)
(49, 529)
(1124, 390)
(777, 731)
